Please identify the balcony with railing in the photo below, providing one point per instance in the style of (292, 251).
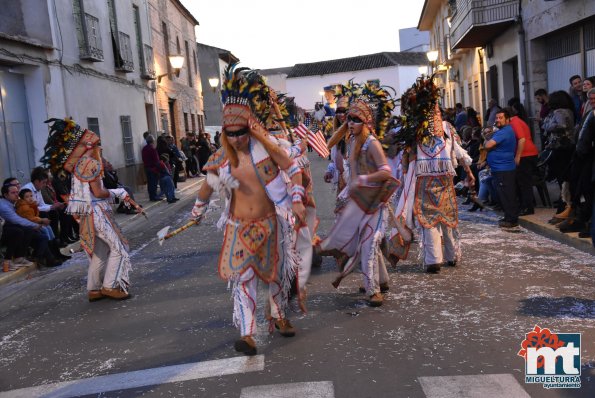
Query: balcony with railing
(475, 23)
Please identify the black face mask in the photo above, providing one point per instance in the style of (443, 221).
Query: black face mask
(238, 133)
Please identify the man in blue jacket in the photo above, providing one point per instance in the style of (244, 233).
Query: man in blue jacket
(501, 151)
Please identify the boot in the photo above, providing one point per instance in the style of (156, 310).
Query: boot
(55, 250)
(563, 215)
(246, 345)
(48, 261)
(433, 268)
(375, 300)
(393, 260)
(567, 212)
(475, 207)
(94, 295)
(468, 200)
(316, 260)
(284, 327)
(116, 294)
(585, 232)
(571, 225)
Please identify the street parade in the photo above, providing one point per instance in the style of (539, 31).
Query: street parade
(394, 224)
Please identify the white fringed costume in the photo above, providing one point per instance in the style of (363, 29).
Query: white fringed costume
(428, 199)
(361, 222)
(262, 249)
(305, 233)
(101, 237)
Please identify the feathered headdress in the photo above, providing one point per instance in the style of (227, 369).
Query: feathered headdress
(244, 88)
(278, 113)
(345, 93)
(246, 98)
(381, 105)
(67, 142)
(419, 107)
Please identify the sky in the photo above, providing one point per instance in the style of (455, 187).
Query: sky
(270, 34)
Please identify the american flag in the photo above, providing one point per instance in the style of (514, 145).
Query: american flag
(315, 140)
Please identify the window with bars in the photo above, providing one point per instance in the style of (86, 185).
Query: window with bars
(127, 63)
(562, 44)
(185, 121)
(120, 42)
(94, 49)
(193, 118)
(139, 39)
(127, 140)
(88, 33)
(93, 125)
(589, 36)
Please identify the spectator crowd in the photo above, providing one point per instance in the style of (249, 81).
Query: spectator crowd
(509, 160)
(34, 225)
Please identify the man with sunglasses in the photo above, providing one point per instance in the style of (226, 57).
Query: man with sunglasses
(261, 209)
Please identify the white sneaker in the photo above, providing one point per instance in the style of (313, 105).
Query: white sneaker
(22, 262)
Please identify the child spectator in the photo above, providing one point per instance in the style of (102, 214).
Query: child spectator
(27, 207)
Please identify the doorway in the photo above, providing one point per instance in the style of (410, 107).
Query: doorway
(492, 78)
(16, 145)
(510, 79)
(151, 123)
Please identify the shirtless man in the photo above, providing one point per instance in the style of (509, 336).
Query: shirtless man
(260, 215)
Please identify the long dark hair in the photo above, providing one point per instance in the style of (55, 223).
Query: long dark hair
(560, 100)
(519, 110)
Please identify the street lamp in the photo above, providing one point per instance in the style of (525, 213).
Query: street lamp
(176, 62)
(432, 57)
(214, 82)
(422, 70)
(321, 93)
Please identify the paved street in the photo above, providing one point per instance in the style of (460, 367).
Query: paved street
(435, 336)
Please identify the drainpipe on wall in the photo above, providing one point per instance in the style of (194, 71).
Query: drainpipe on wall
(523, 62)
(482, 78)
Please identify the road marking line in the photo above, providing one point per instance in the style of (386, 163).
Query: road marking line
(315, 389)
(141, 378)
(473, 386)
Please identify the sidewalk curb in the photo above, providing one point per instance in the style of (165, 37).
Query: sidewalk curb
(123, 221)
(21, 273)
(570, 239)
(10, 276)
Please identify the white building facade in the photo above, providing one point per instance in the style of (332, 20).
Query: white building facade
(502, 49)
(306, 82)
(88, 60)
